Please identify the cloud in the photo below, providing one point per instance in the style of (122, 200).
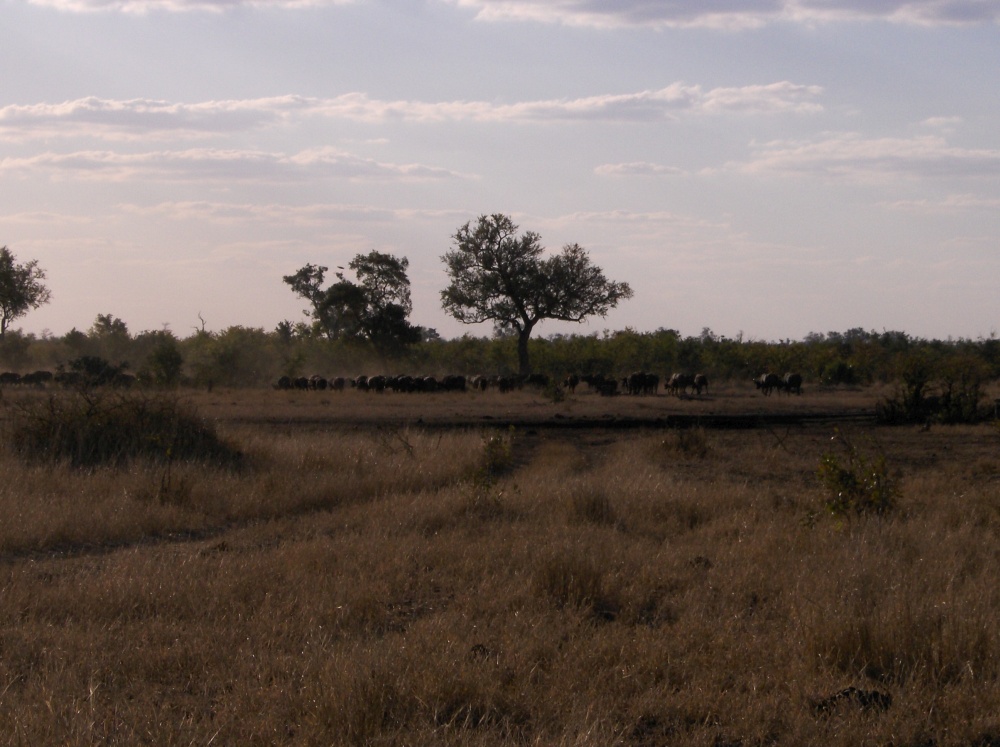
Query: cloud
(855, 157)
(716, 14)
(317, 214)
(177, 6)
(142, 118)
(952, 204)
(204, 164)
(134, 119)
(637, 168)
(731, 14)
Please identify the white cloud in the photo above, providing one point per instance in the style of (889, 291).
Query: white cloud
(141, 118)
(133, 119)
(146, 6)
(203, 164)
(731, 14)
(718, 14)
(637, 168)
(853, 156)
(317, 214)
(951, 204)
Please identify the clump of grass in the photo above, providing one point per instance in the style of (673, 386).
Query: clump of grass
(570, 579)
(856, 482)
(686, 442)
(90, 429)
(592, 507)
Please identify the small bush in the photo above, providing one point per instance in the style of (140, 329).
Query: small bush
(554, 393)
(856, 483)
(498, 457)
(90, 429)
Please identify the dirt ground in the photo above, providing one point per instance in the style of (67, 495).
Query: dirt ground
(731, 405)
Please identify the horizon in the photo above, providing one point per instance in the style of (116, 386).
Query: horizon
(789, 167)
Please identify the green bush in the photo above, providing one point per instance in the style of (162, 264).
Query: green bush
(89, 429)
(856, 483)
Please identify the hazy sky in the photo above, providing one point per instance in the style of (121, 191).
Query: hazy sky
(770, 167)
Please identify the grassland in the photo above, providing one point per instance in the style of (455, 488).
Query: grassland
(412, 570)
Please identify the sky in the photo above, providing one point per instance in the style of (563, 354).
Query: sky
(764, 168)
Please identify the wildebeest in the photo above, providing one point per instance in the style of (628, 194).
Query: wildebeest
(539, 380)
(570, 382)
(317, 382)
(10, 377)
(768, 382)
(641, 382)
(792, 383)
(38, 378)
(338, 383)
(453, 383)
(678, 383)
(700, 382)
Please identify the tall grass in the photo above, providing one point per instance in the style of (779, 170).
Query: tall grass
(344, 591)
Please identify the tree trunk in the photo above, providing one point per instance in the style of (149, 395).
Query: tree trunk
(523, 364)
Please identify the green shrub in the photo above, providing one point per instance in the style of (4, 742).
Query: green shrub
(498, 457)
(91, 428)
(856, 482)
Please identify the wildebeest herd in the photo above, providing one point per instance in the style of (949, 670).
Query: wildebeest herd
(637, 383)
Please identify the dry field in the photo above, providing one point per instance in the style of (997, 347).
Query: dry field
(410, 569)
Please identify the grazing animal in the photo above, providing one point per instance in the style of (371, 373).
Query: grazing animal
(454, 383)
(9, 377)
(768, 382)
(792, 383)
(571, 382)
(641, 382)
(539, 380)
(700, 382)
(38, 378)
(338, 383)
(678, 383)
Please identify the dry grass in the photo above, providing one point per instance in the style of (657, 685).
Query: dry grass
(370, 585)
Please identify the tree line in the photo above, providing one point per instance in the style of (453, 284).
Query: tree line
(361, 324)
(241, 356)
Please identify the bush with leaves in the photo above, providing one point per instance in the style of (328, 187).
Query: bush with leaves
(857, 482)
(90, 428)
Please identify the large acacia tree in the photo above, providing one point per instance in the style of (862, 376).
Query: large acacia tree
(501, 277)
(21, 288)
(375, 308)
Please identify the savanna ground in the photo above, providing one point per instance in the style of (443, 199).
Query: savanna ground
(410, 569)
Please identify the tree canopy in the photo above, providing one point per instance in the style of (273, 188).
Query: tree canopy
(21, 288)
(498, 276)
(375, 308)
